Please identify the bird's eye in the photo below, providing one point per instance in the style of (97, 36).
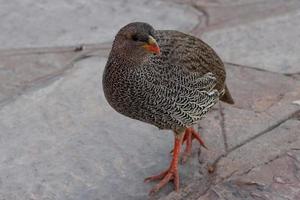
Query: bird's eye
(151, 33)
(134, 37)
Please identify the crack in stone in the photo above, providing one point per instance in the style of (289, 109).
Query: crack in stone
(200, 10)
(251, 67)
(296, 170)
(206, 190)
(292, 156)
(213, 183)
(44, 80)
(262, 164)
(270, 128)
(295, 75)
(58, 49)
(296, 115)
(222, 125)
(205, 16)
(214, 164)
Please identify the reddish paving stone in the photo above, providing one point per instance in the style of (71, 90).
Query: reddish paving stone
(261, 149)
(261, 168)
(260, 102)
(278, 179)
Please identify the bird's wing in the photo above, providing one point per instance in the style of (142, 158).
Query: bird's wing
(192, 104)
(184, 82)
(191, 54)
(183, 100)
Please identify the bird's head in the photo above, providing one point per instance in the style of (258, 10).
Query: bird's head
(136, 41)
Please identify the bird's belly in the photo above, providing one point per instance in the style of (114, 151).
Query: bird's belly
(138, 108)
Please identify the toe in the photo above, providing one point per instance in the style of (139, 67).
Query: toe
(156, 177)
(169, 176)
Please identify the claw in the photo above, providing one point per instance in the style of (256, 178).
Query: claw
(165, 177)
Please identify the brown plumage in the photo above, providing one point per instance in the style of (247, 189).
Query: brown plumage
(196, 56)
(165, 78)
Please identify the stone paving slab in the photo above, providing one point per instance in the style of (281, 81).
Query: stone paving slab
(241, 173)
(228, 13)
(276, 179)
(260, 102)
(270, 44)
(59, 114)
(25, 69)
(63, 141)
(262, 34)
(58, 23)
(18, 72)
(262, 149)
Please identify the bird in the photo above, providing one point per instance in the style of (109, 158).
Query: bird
(166, 78)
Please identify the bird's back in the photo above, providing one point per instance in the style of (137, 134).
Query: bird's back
(193, 56)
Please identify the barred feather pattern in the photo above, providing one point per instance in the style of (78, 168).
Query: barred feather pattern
(171, 91)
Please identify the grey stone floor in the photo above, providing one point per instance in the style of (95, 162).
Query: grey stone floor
(61, 140)
(30, 23)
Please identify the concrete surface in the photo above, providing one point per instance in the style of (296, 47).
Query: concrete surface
(61, 140)
(58, 23)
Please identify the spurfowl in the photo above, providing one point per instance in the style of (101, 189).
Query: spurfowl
(166, 78)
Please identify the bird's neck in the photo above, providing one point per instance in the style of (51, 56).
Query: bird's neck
(129, 58)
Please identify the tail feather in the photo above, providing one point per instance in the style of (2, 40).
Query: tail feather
(227, 96)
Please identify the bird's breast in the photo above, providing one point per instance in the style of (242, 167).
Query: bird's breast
(118, 87)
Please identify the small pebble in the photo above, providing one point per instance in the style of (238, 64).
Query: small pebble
(210, 168)
(278, 179)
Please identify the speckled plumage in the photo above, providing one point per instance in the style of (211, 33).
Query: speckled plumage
(172, 90)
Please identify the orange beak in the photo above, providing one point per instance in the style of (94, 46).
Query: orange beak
(152, 46)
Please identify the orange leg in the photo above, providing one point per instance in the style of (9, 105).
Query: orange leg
(188, 137)
(171, 174)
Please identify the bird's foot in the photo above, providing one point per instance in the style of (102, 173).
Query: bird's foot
(189, 135)
(170, 174)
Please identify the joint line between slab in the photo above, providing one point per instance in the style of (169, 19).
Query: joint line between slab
(270, 128)
(222, 125)
(44, 81)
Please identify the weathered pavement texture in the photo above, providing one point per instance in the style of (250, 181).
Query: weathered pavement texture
(61, 140)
